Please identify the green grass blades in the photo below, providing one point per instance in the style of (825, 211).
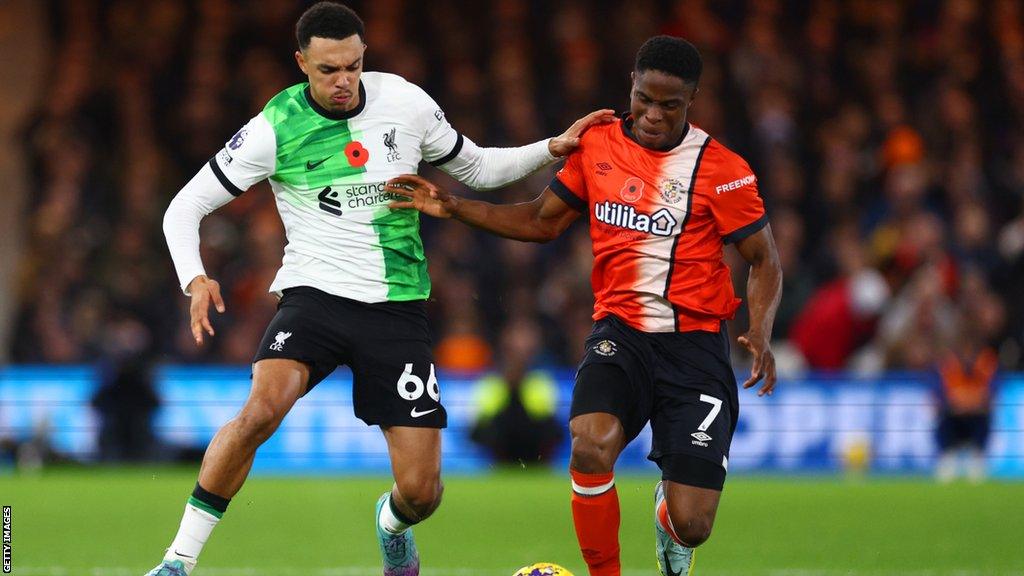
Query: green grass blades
(116, 522)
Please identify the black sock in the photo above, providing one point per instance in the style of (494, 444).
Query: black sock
(208, 501)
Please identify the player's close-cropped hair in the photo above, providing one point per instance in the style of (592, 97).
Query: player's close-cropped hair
(670, 55)
(327, 20)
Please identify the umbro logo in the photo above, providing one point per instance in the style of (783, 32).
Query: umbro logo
(603, 168)
(310, 165)
(700, 439)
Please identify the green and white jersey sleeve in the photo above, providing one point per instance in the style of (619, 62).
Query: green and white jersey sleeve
(250, 156)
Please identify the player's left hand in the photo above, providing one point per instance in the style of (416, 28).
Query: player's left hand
(570, 139)
(764, 362)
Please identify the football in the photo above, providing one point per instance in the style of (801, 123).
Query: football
(542, 569)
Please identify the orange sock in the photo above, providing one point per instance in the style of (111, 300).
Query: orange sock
(666, 522)
(595, 513)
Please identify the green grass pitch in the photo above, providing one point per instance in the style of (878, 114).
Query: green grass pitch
(113, 522)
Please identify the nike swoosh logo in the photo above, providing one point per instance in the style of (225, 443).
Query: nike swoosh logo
(180, 555)
(668, 565)
(314, 165)
(416, 414)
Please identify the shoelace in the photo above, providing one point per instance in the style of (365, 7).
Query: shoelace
(394, 547)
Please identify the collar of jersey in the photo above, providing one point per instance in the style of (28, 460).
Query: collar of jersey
(337, 115)
(627, 130)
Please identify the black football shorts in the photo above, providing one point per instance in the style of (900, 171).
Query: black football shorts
(387, 346)
(680, 382)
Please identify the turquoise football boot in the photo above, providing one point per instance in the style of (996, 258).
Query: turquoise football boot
(169, 568)
(398, 550)
(674, 559)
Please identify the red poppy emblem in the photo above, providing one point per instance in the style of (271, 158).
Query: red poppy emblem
(356, 154)
(632, 190)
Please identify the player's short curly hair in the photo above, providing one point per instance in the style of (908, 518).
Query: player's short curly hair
(328, 20)
(670, 55)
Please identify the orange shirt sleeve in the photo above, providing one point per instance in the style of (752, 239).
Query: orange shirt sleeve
(735, 202)
(568, 183)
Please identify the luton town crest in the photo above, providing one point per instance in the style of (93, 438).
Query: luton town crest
(672, 190)
(606, 348)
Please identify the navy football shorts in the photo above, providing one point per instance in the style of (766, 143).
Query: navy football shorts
(680, 382)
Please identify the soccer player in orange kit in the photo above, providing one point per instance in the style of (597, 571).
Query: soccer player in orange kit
(663, 198)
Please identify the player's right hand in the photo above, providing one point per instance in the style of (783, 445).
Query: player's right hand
(204, 290)
(764, 362)
(421, 194)
(566, 142)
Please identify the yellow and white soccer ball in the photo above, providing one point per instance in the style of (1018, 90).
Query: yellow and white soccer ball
(542, 569)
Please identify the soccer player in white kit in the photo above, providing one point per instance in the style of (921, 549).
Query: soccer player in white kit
(353, 282)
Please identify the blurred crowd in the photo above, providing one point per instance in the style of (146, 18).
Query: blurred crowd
(888, 138)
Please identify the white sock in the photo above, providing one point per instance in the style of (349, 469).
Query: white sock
(196, 526)
(975, 465)
(946, 470)
(388, 521)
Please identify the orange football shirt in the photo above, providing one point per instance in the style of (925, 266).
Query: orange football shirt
(968, 385)
(659, 222)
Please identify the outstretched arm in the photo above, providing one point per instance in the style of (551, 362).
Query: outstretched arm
(764, 289)
(490, 168)
(540, 220)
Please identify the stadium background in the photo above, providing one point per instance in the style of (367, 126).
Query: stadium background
(888, 138)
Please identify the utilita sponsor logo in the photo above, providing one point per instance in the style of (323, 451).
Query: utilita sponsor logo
(661, 223)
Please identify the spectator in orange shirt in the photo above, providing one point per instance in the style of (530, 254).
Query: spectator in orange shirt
(966, 374)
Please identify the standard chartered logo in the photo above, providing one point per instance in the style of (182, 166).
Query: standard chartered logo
(355, 196)
(366, 195)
